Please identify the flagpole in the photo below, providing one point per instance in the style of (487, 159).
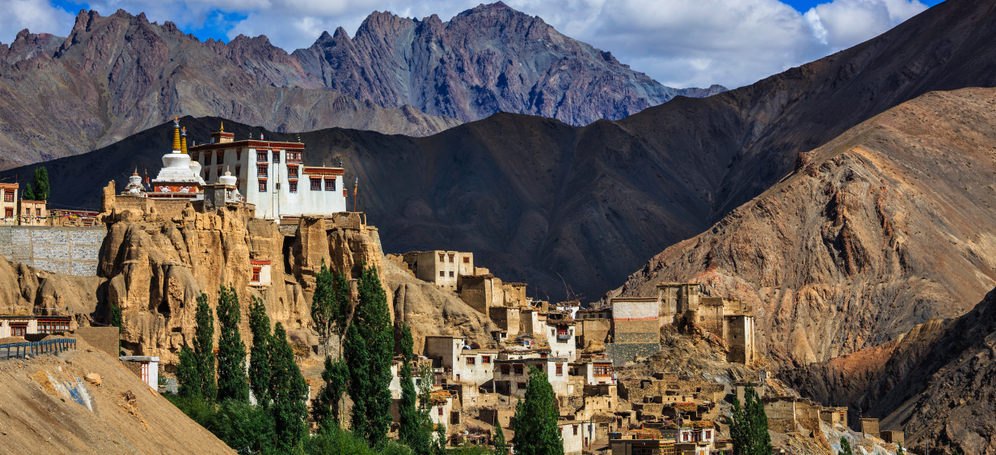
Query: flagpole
(356, 186)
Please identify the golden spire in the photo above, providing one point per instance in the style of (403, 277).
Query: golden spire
(183, 145)
(222, 127)
(176, 134)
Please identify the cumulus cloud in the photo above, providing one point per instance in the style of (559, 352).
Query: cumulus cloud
(680, 43)
(38, 17)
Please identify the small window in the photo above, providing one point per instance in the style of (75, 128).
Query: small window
(575, 430)
(466, 260)
(276, 156)
(8, 196)
(238, 171)
(451, 258)
(8, 212)
(330, 184)
(505, 369)
(255, 274)
(292, 171)
(518, 370)
(451, 274)
(219, 156)
(18, 330)
(207, 174)
(238, 154)
(293, 186)
(220, 171)
(708, 434)
(485, 359)
(560, 371)
(471, 360)
(440, 411)
(262, 170)
(37, 211)
(316, 184)
(261, 156)
(441, 257)
(442, 274)
(522, 385)
(262, 186)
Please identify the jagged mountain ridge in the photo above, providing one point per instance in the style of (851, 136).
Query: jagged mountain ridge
(120, 74)
(486, 60)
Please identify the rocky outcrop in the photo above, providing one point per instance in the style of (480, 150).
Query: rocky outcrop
(486, 60)
(884, 228)
(27, 290)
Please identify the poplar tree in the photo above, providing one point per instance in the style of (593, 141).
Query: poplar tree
(288, 391)
(204, 348)
(330, 306)
(232, 380)
(41, 185)
(499, 441)
(536, 429)
(845, 447)
(325, 407)
(749, 429)
(259, 360)
(413, 428)
(368, 347)
(188, 374)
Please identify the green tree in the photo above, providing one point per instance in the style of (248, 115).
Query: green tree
(439, 447)
(232, 381)
(330, 307)
(900, 451)
(413, 429)
(41, 186)
(536, 430)
(116, 319)
(499, 441)
(188, 374)
(29, 193)
(368, 347)
(325, 406)
(259, 360)
(845, 447)
(749, 428)
(288, 391)
(204, 348)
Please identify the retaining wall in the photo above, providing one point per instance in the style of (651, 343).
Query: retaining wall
(68, 250)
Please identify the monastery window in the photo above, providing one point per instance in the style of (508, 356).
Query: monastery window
(261, 156)
(18, 329)
(292, 171)
(441, 257)
(262, 170)
(238, 171)
(575, 430)
(471, 360)
(238, 154)
(220, 171)
(442, 274)
(293, 186)
(276, 156)
(440, 411)
(602, 370)
(255, 274)
(219, 156)
(518, 370)
(330, 184)
(451, 258)
(522, 385)
(316, 184)
(207, 174)
(8, 196)
(451, 274)
(466, 260)
(505, 369)
(8, 212)
(708, 434)
(485, 359)
(560, 372)
(262, 186)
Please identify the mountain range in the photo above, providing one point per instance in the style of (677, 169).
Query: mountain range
(114, 76)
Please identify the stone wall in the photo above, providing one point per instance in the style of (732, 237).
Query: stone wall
(103, 338)
(621, 353)
(63, 249)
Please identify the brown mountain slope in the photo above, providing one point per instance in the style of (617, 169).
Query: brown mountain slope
(885, 227)
(934, 381)
(40, 416)
(486, 60)
(120, 74)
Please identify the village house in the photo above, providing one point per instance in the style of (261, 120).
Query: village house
(23, 325)
(442, 268)
(458, 362)
(144, 367)
(511, 375)
(8, 201)
(642, 446)
(594, 371)
(560, 336)
(731, 320)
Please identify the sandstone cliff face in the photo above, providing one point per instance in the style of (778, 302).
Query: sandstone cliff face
(27, 290)
(117, 75)
(883, 228)
(485, 60)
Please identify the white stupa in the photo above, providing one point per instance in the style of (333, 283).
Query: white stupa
(135, 184)
(179, 177)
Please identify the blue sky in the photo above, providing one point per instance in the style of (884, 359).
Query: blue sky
(680, 43)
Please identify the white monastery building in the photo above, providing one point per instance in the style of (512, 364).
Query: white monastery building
(272, 176)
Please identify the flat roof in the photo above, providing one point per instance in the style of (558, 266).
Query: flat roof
(138, 358)
(249, 144)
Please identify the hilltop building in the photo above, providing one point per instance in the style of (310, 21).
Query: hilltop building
(271, 175)
(179, 176)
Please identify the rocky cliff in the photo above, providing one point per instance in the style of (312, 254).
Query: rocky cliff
(27, 290)
(486, 60)
(117, 75)
(883, 228)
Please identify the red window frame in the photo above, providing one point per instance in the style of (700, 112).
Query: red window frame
(316, 184)
(262, 186)
(292, 171)
(263, 170)
(276, 156)
(471, 360)
(255, 274)
(485, 359)
(18, 329)
(219, 156)
(261, 156)
(8, 212)
(293, 186)
(330, 184)
(8, 196)
(560, 371)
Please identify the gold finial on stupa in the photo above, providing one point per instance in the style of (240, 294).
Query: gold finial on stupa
(183, 143)
(176, 134)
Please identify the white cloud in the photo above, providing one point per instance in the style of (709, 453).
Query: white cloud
(678, 42)
(38, 17)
